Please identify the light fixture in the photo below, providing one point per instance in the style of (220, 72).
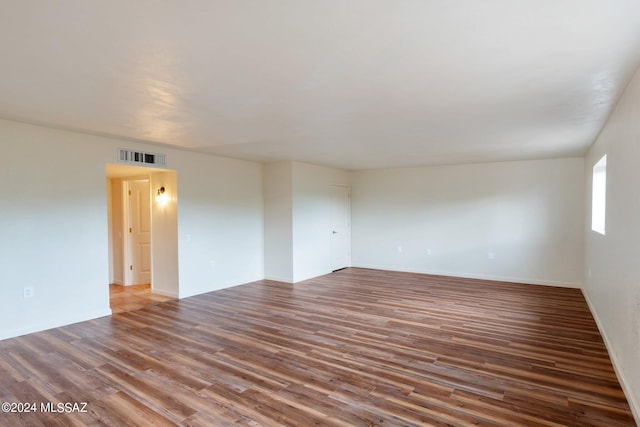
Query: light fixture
(161, 196)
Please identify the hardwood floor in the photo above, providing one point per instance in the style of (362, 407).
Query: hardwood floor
(127, 298)
(356, 347)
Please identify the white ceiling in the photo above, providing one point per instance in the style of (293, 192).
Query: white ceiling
(349, 83)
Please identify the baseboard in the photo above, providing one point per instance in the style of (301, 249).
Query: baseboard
(186, 293)
(165, 293)
(55, 324)
(632, 399)
(279, 279)
(524, 280)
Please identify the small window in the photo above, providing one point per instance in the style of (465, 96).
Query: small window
(599, 195)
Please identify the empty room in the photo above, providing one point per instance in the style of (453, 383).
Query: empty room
(340, 213)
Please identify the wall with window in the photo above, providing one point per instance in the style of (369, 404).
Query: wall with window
(612, 260)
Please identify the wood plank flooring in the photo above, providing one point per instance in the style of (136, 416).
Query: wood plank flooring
(133, 297)
(354, 348)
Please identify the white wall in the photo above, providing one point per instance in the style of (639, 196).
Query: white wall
(53, 224)
(312, 218)
(220, 222)
(164, 234)
(298, 219)
(278, 221)
(529, 214)
(612, 261)
(116, 273)
(110, 230)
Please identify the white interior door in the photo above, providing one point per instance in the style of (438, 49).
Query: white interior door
(340, 227)
(138, 229)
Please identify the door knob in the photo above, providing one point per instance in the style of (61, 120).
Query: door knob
(335, 232)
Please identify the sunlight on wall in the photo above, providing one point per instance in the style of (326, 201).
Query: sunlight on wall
(599, 196)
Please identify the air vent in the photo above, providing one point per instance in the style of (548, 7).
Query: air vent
(141, 158)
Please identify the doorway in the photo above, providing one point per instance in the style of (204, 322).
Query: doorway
(340, 227)
(143, 236)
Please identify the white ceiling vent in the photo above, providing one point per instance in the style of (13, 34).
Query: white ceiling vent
(141, 158)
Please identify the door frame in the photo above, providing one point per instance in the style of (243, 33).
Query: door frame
(334, 267)
(164, 225)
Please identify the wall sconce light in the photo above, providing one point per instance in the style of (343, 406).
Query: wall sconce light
(161, 196)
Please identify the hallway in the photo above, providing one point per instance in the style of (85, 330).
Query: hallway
(127, 298)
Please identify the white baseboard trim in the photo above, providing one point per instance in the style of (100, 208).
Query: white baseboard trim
(279, 279)
(165, 293)
(56, 323)
(632, 399)
(524, 280)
